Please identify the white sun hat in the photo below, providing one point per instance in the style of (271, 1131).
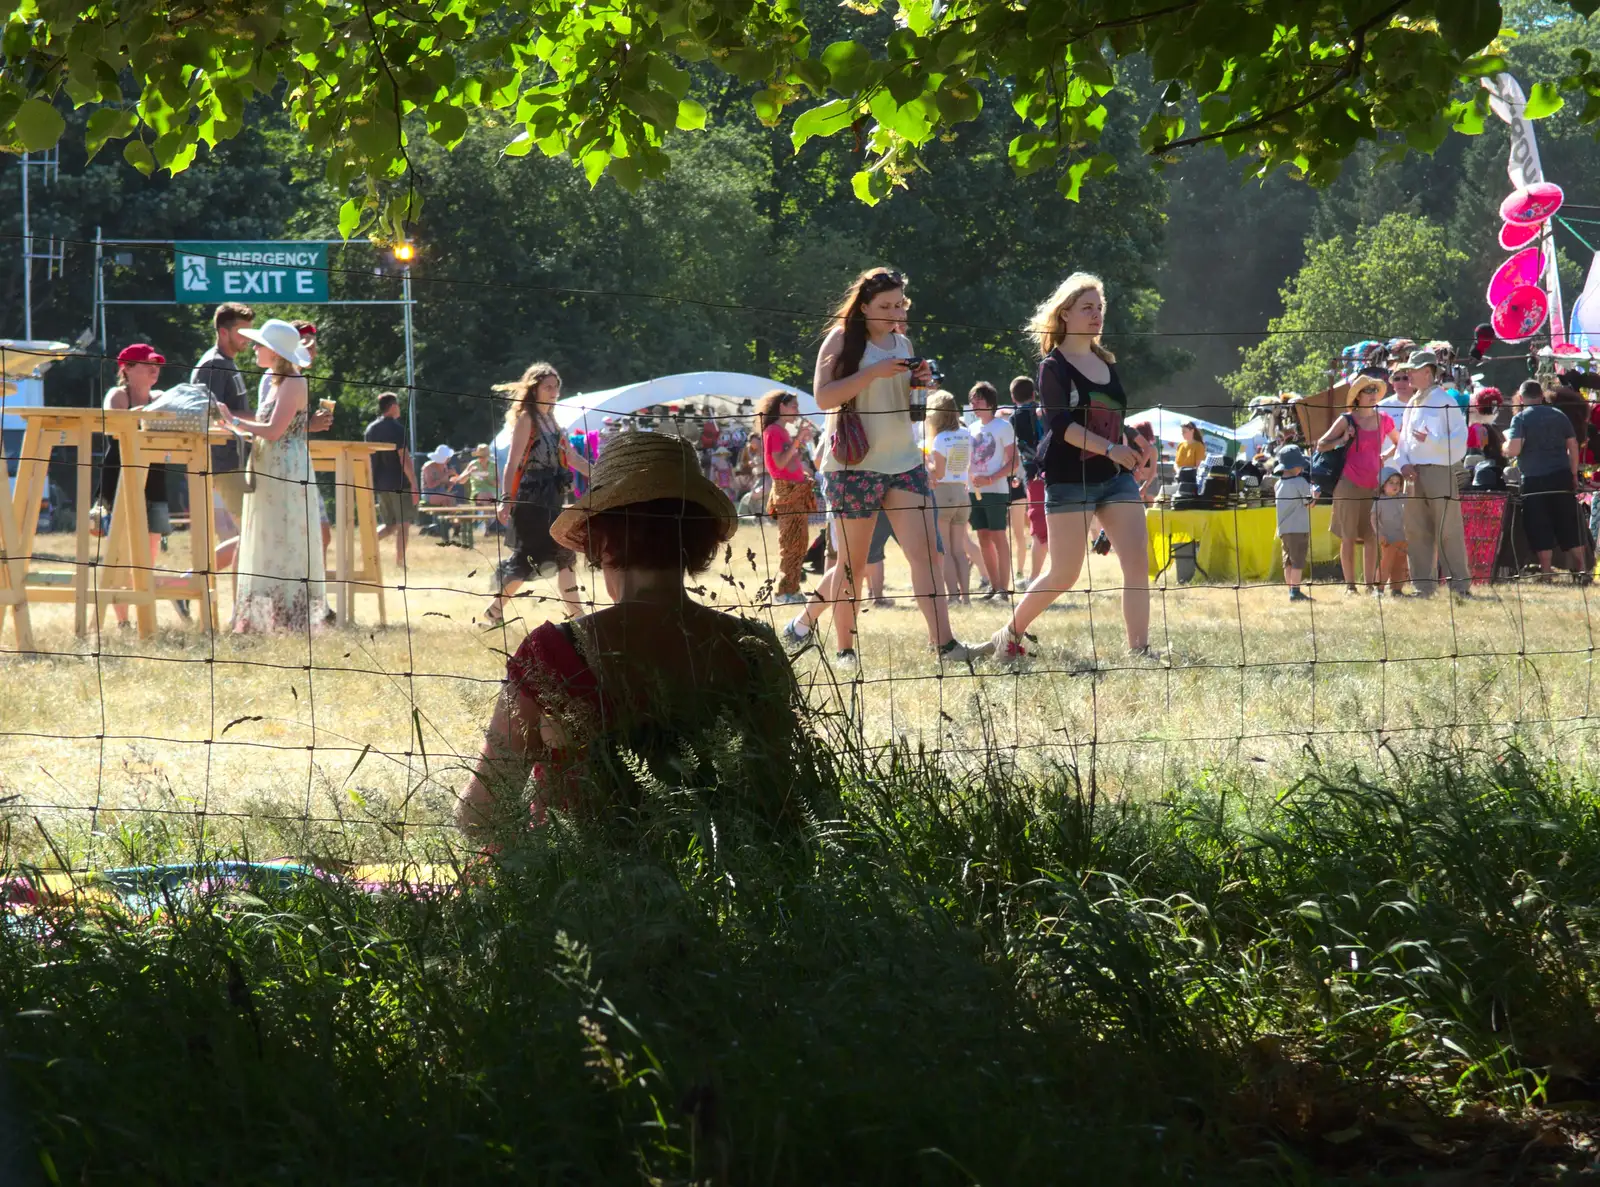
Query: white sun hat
(282, 339)
(442, 453)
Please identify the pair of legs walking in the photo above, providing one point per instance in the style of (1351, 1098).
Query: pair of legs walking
(1067, 543)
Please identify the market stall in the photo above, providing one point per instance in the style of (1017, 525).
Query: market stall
(1231, 545)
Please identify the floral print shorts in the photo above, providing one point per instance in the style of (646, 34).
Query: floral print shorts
(858, 494)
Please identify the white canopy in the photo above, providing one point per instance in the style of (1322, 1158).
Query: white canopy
(721, 389)
(1168, 425)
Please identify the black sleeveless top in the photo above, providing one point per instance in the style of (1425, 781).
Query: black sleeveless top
(1069, 397)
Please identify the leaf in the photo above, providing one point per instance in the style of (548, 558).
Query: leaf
(668, 77)
(871, 186)
(109, 123)
(449, 124)
(769, 106)
(691, 116)
(1072, 181)
(1484, 65)
(1468, 25)
(847, 63)
(137, 153)
(1543, 100)
(824, 120)
(349, 218)
(1032, 151)
(958, 103)
(39, 125)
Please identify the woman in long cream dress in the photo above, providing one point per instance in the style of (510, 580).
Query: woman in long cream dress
(281, 578)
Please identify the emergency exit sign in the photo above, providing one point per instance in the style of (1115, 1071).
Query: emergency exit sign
(271, 273)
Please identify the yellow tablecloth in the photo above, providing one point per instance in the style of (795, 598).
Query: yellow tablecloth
(1237, 544)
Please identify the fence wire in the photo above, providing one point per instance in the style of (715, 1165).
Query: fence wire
(357, 737)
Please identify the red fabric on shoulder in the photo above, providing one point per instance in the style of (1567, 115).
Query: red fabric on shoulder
(547, 661)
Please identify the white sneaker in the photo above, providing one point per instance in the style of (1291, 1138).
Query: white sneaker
(1006, 646)
(958, 652)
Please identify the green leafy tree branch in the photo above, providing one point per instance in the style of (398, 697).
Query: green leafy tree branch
(1293, 84)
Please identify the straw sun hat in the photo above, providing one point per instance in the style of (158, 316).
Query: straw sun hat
(636, 468)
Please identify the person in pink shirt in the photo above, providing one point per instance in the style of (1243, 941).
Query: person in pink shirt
(1370, 436)
(792, 499)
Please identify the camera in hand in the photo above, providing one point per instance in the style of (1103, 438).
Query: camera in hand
(919, 395)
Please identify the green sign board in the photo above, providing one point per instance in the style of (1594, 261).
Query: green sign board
(269, 273)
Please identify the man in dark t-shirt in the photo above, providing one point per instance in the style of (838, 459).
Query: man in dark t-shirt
(1027, 425)
(392, 479)
(218, 373)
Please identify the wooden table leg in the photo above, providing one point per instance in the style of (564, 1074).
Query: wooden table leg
(367, 518)
(84, 448)
(342, 479)
(202, 533)
(141, 567)
(13, 568)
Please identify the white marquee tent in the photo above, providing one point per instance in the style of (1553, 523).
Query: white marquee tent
(721, 389)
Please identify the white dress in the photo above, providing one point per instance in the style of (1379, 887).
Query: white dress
(281, 580)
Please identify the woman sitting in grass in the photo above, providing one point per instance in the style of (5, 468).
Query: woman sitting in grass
(656, 678)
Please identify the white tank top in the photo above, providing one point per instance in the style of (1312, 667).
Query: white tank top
(885, 408)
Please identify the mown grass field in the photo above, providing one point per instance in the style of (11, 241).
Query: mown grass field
(307, 743)
(1312, 900)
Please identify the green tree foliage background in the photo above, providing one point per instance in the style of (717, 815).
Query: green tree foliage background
(733, 259)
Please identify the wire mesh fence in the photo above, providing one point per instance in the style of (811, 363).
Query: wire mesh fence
(354, 734)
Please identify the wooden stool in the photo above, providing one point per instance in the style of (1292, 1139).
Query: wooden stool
(124, 569)
(13, 569)
(355, 514)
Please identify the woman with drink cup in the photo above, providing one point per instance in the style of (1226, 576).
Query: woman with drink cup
(792, 500)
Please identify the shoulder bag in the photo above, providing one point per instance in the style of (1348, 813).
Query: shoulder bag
(1327, 465)
(848, 440)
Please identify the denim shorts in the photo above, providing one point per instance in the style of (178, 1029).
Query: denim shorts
(1087, 497)
(858, 494)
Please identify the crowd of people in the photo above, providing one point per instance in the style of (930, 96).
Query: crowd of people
(1006, 487)
(1415, 434)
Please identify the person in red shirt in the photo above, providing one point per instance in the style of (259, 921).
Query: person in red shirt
(792, 499)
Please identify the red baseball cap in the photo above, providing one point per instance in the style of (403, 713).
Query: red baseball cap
(141, 352)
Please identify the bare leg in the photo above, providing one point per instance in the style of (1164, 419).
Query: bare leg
(996, 558)
(1347, 560)
(1068, 533)
(1369, 563)
(497, 608)
(914, 527)
(855, 539)
(1124, 524)
(1018, 514)
(955, 546)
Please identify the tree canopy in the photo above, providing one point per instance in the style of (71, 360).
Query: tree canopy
(1389, 278)
(1286, 83)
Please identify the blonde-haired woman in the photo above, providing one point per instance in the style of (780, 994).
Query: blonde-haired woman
(533, 490)
(1088, 463)
(281, 578)
(949, 449)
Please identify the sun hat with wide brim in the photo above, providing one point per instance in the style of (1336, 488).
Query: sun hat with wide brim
(441, 453)
(1365, 381)
(636, 468)
(282, 339)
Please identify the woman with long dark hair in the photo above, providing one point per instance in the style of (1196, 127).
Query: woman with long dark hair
(1088, 463)
(792, 499)
(533, 490)
(863, 378)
